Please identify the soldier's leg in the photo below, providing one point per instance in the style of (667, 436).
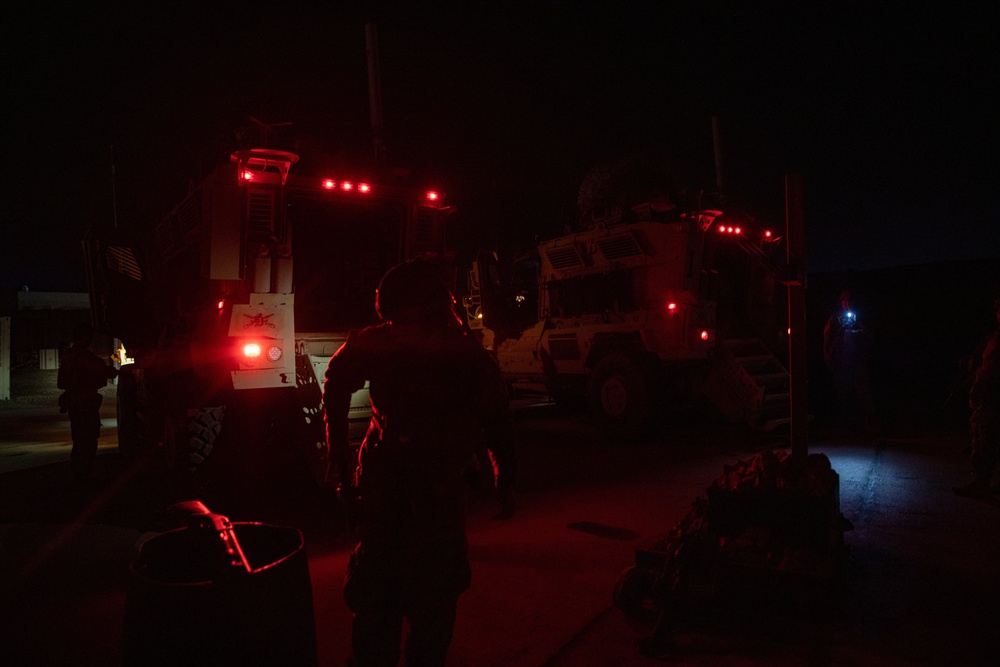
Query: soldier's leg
(374, 596)
(432, 622)
(375, 637)
(986, 445)
(983, 438)
(85, 429)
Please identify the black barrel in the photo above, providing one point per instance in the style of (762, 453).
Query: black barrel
(183, 608)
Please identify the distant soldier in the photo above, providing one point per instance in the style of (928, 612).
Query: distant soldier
(436, 396)
(984, 422)
(82, 374)
(845, 351)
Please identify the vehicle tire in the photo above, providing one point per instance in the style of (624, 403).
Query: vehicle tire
(204, 426)
(619, 395)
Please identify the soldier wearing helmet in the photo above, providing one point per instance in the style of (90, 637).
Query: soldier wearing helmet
(845, 351)
(984, 421)
(436, 397)
(82, 374)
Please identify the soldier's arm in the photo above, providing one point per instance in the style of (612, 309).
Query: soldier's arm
(987, 376)
(344, 376)
(499, 435)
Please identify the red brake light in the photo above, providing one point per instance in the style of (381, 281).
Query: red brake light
(251, 350)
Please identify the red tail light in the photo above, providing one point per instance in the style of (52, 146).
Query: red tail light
(252, 353)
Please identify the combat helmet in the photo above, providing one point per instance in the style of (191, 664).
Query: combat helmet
(416, 291)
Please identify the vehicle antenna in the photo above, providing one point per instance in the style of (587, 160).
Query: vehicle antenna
(114, 195)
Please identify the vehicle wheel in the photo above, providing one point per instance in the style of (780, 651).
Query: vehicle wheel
(203, 428)
(619, 395)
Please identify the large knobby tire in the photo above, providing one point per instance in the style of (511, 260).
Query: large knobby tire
(619, 395)
(204, 425)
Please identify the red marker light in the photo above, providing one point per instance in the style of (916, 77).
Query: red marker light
(251, 350)
(767, 233)
(329, 184)
(738, 231)
(347, 185)
(672, 306)
(704, 335)
(433, 196)
(220, 304)
(248, 175)
(364, 188)
(722, 229)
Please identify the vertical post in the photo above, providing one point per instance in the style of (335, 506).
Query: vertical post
(4, 358)
(375, 93)
(798, 350)
(717, 146)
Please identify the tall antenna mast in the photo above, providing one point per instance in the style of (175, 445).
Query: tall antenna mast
(114, 195)
(717, 144)
(375, 93)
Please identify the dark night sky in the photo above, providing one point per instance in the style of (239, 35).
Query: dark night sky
(887, 110)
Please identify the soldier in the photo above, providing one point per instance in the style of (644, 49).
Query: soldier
(845, 351)
(436, 396)
(82, 374)
(984, 422)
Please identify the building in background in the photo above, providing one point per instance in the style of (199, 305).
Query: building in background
(41, 325)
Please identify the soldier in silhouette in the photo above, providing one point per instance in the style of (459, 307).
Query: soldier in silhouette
(984, 422)
(82, 374)
(845, 351)
(436, 396)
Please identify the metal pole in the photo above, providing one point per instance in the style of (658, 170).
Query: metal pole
(717, 145)
(798, 351)
(375, 93)
(114, 194)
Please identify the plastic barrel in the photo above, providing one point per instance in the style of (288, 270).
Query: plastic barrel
(182, 608)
